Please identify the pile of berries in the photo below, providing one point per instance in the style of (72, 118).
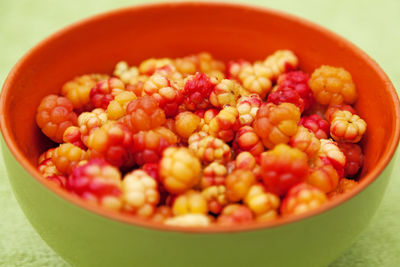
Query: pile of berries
(193, 142)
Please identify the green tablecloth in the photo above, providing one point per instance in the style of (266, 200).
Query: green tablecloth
(372, 25)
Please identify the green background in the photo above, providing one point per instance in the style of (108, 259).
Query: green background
(371, 25)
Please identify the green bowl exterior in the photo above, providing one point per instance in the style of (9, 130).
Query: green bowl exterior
(83, 238)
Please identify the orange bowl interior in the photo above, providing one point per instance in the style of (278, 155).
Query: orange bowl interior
(172, 30)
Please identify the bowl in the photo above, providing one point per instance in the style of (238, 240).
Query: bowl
(86, 236)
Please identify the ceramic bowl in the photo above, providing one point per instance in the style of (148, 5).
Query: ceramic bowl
(88, 236)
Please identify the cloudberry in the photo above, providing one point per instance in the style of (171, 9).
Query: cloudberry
(248, 106)
(209, 149)
(78, 90)
(347, 127)
(190, 202)
(54, 115)
(180, 170)
(104, 91)
(332, 86)
(302, 198)
(215, 197)
(354, 158)
(197, 91)
(148, 146)
(97, 182)
(324, 177)
(67, 156)
(225, 93)
(143, 114)
(298, 81)
(213, 174)
(247, 140)
(256, 79)
(261, 202)
(281, 61)
(186, 123)
(238, 184)
(235, 214)
(140, 194)
(282, 168)
(316, 124)
(275, 124)
(114, 142)
(305, 141)
(225, 124)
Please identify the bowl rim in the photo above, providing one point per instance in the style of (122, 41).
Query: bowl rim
(139, 222)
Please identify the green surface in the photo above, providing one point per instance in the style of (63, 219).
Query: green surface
(372, 25)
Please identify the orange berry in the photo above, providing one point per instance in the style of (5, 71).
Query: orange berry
(225, 124)
(261, 202)
(143, 114)
(324, 178)
(225, 93)
(114, 142)
(347, 127)
(116, 109)
(345, 185)
(73, 135)
(329, 153)
(78, 90)
(54, 115)
(238, 184)
(275, 124)
(305, 141)
(190, 202)
(148, 146)
(235, 214)
(302, 198)
(89, 121)
(186, 123)
(216, 198)
(180, 170)
(67, 156)
(247, 140)
(148, 66)
(162, 213)
(332, 86)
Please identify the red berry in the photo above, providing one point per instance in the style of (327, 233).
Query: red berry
(114, 142)
(54, 115)
(333, 108)
(197, 91)
(102, 93)
(148, 146)
(98, 182)
(316, 124)
(247, 140)
(152, 170)
(354, 158)
(298, 81)
(286, 94)
(282, 168)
